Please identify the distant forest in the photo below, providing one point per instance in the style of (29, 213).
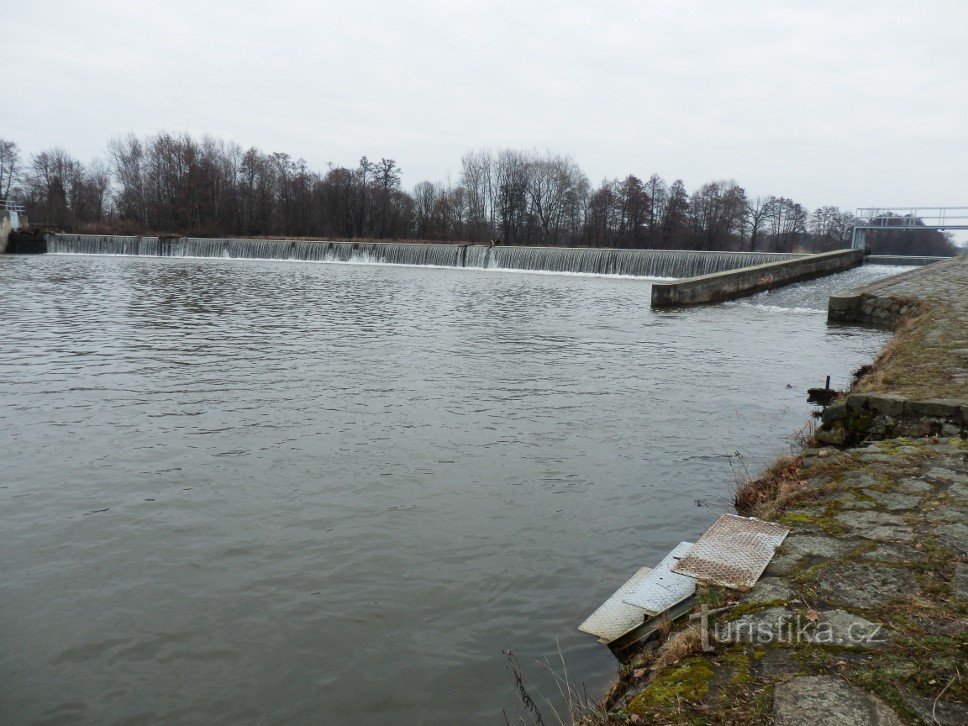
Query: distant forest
(174, 183)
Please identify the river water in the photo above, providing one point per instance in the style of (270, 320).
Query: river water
(238, 491)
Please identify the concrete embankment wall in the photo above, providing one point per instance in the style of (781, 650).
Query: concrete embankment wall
(25, 243)
(887, 301)
(740, 283)
(5, 230)
(905, 260)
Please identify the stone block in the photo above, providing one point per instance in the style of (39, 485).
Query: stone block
(959, 585)
(946, 408)
(842, 629)
(876, 526)
(835, 436)
(834, 412)
(863, 585)
(894, 501)
(845, 309)
(769, 589)
(888, 404)
(829, 700)
(942, 713)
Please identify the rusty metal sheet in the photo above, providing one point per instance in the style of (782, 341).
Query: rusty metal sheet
(614, 618)
(733, 552)
(663, 588)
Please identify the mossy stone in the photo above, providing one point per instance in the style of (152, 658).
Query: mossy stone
(688, 681)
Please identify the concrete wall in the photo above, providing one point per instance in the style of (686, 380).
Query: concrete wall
(26, 243)
(5, 229)
(913, 260)
(877, 416)
(870, 309)
(748, 280)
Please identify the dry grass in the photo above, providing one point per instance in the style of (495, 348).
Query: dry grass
(912, 366)
(767, 495)
(803, 436)
(574, 705)
(683, 644)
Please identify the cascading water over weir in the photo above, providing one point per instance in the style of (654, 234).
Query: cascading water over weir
(588, 260)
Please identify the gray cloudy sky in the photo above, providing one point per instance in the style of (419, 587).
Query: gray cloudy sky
(849, 103)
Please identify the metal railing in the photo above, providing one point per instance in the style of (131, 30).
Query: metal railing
(8, 206)
(912, 217)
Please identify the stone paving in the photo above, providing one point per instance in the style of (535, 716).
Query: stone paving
(869, 570)
(862, 616)
(934, 282)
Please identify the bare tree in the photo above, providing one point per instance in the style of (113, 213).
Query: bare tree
(603, 212)
(178, 183)
(657, 192)
(9, 167)
(511, 172)
(552, 181)
(758, 209)
(53, 186)
(126, 154)
(476, 178)
(788, 224)
(93, 198)
(716, 214)
(675, 216)
(386, 177)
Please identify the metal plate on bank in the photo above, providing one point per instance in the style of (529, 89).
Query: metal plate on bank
(663, 588)
(614, 618)
(733, 552)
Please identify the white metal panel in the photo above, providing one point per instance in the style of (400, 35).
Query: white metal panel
(614, 618)
(663, 588)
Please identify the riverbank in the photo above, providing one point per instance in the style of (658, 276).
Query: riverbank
(861, 616)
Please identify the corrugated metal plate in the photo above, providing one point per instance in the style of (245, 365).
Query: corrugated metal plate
(733, 552)
(663, 588)
(614, 618)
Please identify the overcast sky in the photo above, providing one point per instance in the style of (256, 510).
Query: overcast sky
(847, 103)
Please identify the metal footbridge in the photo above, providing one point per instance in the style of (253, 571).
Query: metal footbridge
(883, 219)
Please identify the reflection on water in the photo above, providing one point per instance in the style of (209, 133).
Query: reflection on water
(236, 491)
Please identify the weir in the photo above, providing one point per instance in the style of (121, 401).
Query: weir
(588, 260)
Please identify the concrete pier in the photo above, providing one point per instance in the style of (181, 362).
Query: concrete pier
(749, 280)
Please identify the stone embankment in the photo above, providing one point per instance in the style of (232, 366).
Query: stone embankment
(894, 298)
(862, 616)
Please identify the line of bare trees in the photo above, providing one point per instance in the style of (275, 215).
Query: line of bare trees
(179, 184)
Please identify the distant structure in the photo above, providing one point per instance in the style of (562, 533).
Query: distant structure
(12, 212)
(11, 219)
(913, 218)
